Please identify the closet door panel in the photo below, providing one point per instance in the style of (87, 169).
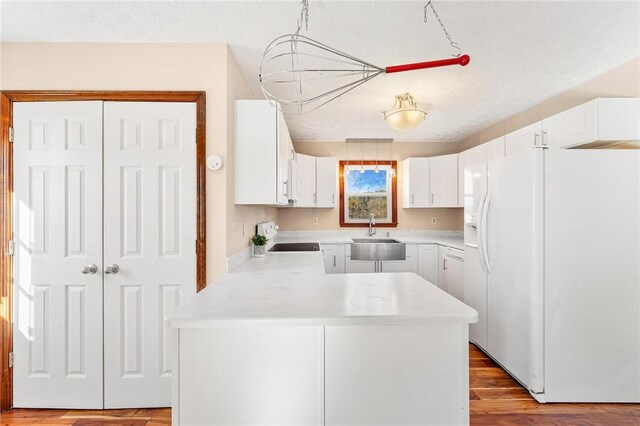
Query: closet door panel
(150, 233)
(57, 232)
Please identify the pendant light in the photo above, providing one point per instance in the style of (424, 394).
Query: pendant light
(392, 172)
(377, 169)
(405, 113)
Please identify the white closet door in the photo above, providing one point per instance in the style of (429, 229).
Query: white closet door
(58, 231)
(150, 233)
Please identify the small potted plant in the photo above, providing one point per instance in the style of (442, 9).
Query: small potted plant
(259, 242)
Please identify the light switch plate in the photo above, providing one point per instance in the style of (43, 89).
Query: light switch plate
(236, 229)
(434, 220)
(315, 220)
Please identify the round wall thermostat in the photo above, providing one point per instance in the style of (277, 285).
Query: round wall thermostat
(214, 162)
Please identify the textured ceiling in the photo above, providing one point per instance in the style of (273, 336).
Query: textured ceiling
(521, 52)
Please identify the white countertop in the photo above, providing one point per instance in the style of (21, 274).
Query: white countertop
(288, 262)
(445, 238)
(312, 299)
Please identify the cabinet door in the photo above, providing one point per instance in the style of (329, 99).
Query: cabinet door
(415, 182)
(256, 172)
(428, 262)
(360, 266)
(395, 266)
(571, 127)
(305, 184)
(282, 160)
(333, 258)
(488, 151)
(443, 180)
(523, 139)
(326, 181)
(442, 269)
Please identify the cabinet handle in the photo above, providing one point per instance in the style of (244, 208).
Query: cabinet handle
(544, 138)
(431, 198)
(444, 264)
(333, 199)
(334, 261)
(380, 266)
(413, 199)
(535, 139)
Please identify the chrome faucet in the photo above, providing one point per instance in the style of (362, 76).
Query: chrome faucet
(372, 223)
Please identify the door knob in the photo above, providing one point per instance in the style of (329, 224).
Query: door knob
(90, 269)
(111, 269)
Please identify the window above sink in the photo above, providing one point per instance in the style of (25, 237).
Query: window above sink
(368, 187)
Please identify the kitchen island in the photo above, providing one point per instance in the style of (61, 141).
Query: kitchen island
(290, 347)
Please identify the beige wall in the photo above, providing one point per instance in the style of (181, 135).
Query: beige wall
(301, 219)
(621, 81)
(147, 66)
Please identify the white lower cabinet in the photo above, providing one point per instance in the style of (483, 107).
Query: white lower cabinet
(451, 271)
(360, 266)
(428, 262)
(333, 258)
(395, 266)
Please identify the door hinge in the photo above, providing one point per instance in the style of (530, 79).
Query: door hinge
(10, 359)
(11, 134)
(12, 245)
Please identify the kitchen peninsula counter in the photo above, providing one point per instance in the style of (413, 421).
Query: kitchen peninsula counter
(287, 344)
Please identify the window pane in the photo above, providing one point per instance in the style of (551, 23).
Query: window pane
(367, 182)
(360, 207)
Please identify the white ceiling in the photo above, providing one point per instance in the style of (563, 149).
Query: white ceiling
(521, 52)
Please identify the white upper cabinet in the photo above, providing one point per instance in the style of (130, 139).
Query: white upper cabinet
(599, 120)
(415, 182)
(262, 154)
(602, 120)
(523, 139)
(305, 181)
(488, 151)
(443, 181)
(285, 155)
(326, 181)
(430, 182)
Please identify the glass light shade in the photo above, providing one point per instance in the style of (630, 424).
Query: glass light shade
(405, 114)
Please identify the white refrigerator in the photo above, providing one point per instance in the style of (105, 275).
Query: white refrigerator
(552, 265)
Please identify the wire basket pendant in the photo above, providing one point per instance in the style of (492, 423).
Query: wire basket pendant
(295, 69)
(299, 75)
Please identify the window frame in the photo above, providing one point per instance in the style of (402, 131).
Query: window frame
(393, 194)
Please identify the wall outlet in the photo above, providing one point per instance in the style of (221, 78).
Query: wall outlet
(315, 220)
(434, 220)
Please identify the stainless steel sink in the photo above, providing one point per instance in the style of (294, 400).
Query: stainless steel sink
(375, 241)
(377, 249)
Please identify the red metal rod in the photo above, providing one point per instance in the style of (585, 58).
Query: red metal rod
(462, 60)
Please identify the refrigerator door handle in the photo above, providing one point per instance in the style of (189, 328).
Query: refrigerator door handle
(484, 236)
(479, 233)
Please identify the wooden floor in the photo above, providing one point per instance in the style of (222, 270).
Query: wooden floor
(495, 399)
